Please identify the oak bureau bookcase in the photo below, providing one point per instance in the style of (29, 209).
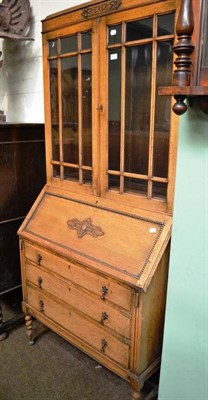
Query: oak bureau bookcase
(95, 245)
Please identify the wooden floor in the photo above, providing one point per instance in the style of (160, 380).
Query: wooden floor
(52, 369)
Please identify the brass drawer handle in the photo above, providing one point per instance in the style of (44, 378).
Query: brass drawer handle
(104, 344)
(39, 259)
(41, 305)
(40, 281)
(104, 292)
(104, 316)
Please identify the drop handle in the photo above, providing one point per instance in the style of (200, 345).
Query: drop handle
(40, 281)
(104, 292)
(104, 316)
(41, 306)
(104, 345)
(39, 259)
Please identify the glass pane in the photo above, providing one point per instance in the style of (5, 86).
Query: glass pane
(159, 190)
(53, 65)
(69, 44)
(52, 48)
(54, 109)
(114, 182)
(71, 174)
(86, 40)
(114, 34)
(165, 24)
(114, 109)
(162, 110)
(137, 113)
(55, 143)
(69, 69)
(56, 171)
(70, 145)
(87, 177)
(86, 110)
(135, 185)
(137, 30)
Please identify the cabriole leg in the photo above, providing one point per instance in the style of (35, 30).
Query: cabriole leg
(29, 329)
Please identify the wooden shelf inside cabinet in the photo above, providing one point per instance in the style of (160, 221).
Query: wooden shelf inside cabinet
(190, 78)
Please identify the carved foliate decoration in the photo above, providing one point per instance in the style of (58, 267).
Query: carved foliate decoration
(14, 17)
(101, 9)
(85, 227)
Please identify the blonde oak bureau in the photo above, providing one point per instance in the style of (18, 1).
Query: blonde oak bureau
(95, 245)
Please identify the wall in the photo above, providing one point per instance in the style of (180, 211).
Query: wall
(184, 372)
(21, 76)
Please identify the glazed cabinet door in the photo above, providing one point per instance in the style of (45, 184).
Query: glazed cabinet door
(137, 128)
(71, 92)
(109, 133)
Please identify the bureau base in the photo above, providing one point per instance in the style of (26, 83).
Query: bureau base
(106, 300)
(144, 386)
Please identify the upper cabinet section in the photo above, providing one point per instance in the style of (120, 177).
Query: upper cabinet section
(109, 133)
(98, 8)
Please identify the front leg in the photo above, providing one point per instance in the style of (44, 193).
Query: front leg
(3, 335)
(29, 329)
(136, 389)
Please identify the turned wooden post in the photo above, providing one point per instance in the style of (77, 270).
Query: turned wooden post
(29, 329)
(136, 395)
(1, 316)
(136, 389)
(4, 334)
(183, 49)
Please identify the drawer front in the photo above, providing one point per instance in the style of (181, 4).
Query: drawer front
(105, 288)
(93, 307)
(80, 327)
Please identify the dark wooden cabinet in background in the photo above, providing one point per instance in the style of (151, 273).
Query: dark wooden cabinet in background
(22, 176)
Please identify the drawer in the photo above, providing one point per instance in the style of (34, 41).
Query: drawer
(97, 309)
(96, 337)
(105, 288)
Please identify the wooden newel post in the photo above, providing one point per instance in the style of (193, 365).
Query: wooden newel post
(183, 49)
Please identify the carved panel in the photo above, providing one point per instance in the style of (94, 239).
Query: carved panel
(101, 9)
(85, 227)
